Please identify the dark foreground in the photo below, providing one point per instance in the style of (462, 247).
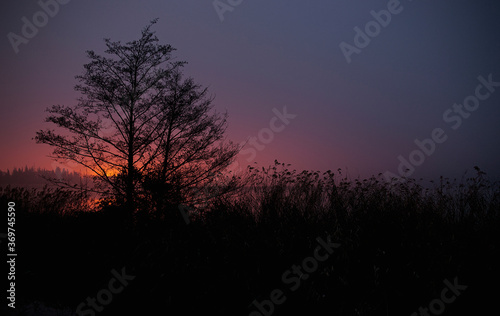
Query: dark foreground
(305, 247)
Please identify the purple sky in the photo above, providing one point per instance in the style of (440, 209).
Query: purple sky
(268, 55)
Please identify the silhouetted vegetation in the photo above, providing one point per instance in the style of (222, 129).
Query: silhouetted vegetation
(399, 241)
(153, 143)
(143, 130)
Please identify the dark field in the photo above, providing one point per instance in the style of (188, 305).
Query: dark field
(398, 247)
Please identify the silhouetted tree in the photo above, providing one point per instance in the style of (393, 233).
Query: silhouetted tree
(138, 124)
(189, 158)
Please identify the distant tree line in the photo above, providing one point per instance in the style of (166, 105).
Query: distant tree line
(29, 177)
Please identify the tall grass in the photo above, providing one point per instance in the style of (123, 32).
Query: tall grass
(399, 241)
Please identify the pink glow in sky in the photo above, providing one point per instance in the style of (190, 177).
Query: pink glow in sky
(358, 116)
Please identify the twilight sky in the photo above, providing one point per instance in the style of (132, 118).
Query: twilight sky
(258, 57)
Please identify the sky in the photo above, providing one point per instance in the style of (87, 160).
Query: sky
(366, 86)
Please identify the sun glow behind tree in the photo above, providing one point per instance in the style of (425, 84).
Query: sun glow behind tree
(142, 130)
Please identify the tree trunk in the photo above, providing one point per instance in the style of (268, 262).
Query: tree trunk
(129, 182)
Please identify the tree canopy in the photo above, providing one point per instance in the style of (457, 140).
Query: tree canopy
(142, 128)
